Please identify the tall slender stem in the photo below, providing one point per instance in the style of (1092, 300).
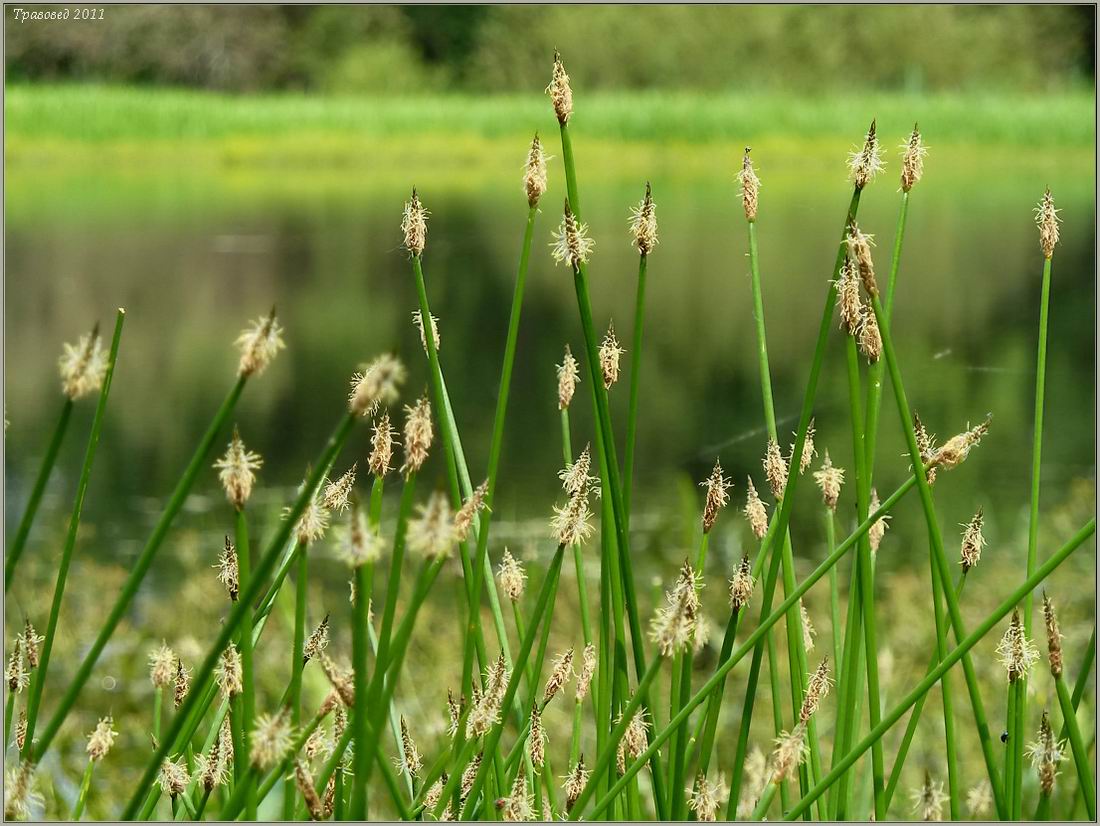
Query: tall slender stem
(297, 662)
(1077, 746)
(635, 372)
(248, 677)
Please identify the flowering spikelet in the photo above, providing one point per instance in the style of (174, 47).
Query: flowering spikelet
(173, 777)
(610, 352)
(237, 471)
(955, 450)
(706, 798)
(101, 739)
(634, 740)
(534, 173)
(211, 768)
(979, 799)
(317, 742)
(229, 570)
(808, 632)
(926, 447)
(162, 666)
(303, 779)
(228, 674)
(381, 446)
(808, 449)
(486, 707)
(1046, 217)
(1046, 753)
(588, 670)
(568, 376)
(869, 338)
(454, 713)
(469, 775)
(859, 248)
(342, 681)
(756, 778)
(571, 524)
(674, 625)
(413, 763)
(848, 299)
(972, 542)
(464, 519)
(928, 800)
(1054, 637)
(31, 642)
(414, 225)
(317, 642)
(829, 478)
(561, 95)
(817, 689)
(313, 522)
(537, 739)
(17, 674)
(361, 542)
(912, 160)
(756, 512)
(575, 782)
(559, 675)
(512, 576)
(376, 383)
(576, 477)
(518, 806)
(750, 186)
(21, 730)
(571, 245)
(865, 163)
(83, 366)
(1017, 653)
(432, 533)
(790, 752)
(182, 683)
(717, 498)
(272, 739)
(259, 345)
(775, 469)
(418, 320)
(741, 585)
(337, 493)
(878, 529)
(643, 223)
(20, 791)
(418, 435)
(434, 793)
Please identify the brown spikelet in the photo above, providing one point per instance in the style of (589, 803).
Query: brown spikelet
(342, 681)
(717, 498)
(955, 450)
(182, 683)
(775, 469)
(559, 675)
(848, 299)
(859, 248)
(877, 531)
(229, 570)
(534, 173)
(912, 160)
(829, 479)
(1046, 217)
(643, 223)
(817, 689)
(869, 339)
(259, 345)
(1016, 651)
(537, 739)
(610, 353)
(1046, 753)
(756, 512)
(464, 519)
(413, 762)
(571, 244)
(304, 781)
(381, 442)
(926, 445)
(31, 643)
(21, 730)
(414, 225)
(561, 94)
(512, 577)
(568, 376)
(750, 186)
(866, 162)
(418, 435)
(741, 585)
(972, 542)
(237, 471)
(317, 642)
(1054, 637)
(575, 782)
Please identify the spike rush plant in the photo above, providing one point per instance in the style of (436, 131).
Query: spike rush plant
(295, 709)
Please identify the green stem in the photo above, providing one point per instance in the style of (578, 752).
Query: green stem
(635, 372)
(297, 663)
(38, 684)
(248, 678)
(1077, 746)
(834, 586)
(958, 653)
(765, 801)
(48, 461)
(954, 795)
(82, 796)
(1037, 443)
(158, 704)
(9, 711)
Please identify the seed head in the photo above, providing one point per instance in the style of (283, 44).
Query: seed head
(337, 493)
(829, 479)
(162, 666)
(674, 625)
(1017, 653)
(568, 376)
(912, 160)
(928, 800)
(537, 739)
(485, 710)
(418, 435)
(576, 477)
(237, 471)
(750, 186)
(588, 670)
(31, 643)
(434, 793)
(518, 807)
(561, 95)
(817, 689)
(869, 339)
(878, 529)
(790, 752)
(303, 779)
(173, 778)
(101, 739)
(808, 631)
(859, 249)
(1046, 217)
(418, 320)
(534, 173)
(571, 245)
(259, 345)
(272, 739)
(643, 223)
(571, 524)
(559, 675)
(182, 683)
(742, 585)
(1054, 637)
(926, 445)
(634, 740)
(775, 469)
(361, 542)
(972, 541)
(432, 533)
(717, 498)
(756, 512)
(313, 522)
(212, 768)
(83, 366)
(21, 793)
(413, 763)
(848, 299)
(469, 775)
(21, 730)
(610, 352)
(512, 577)
(381, 443)
(317, 642)
(376, 383)
(706, 798)
(808, 449)
(464, 519)
(979, 799)
(575, 782)
(756, 778)
(865, 163)
(955, 450)
(18, 675)
(414, 225)
(228, 674)
(342, 680)
(1046, 753)
(229, 570)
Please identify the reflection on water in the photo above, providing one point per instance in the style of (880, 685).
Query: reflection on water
(193, 254)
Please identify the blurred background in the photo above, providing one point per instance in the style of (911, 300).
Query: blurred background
(197, 164)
